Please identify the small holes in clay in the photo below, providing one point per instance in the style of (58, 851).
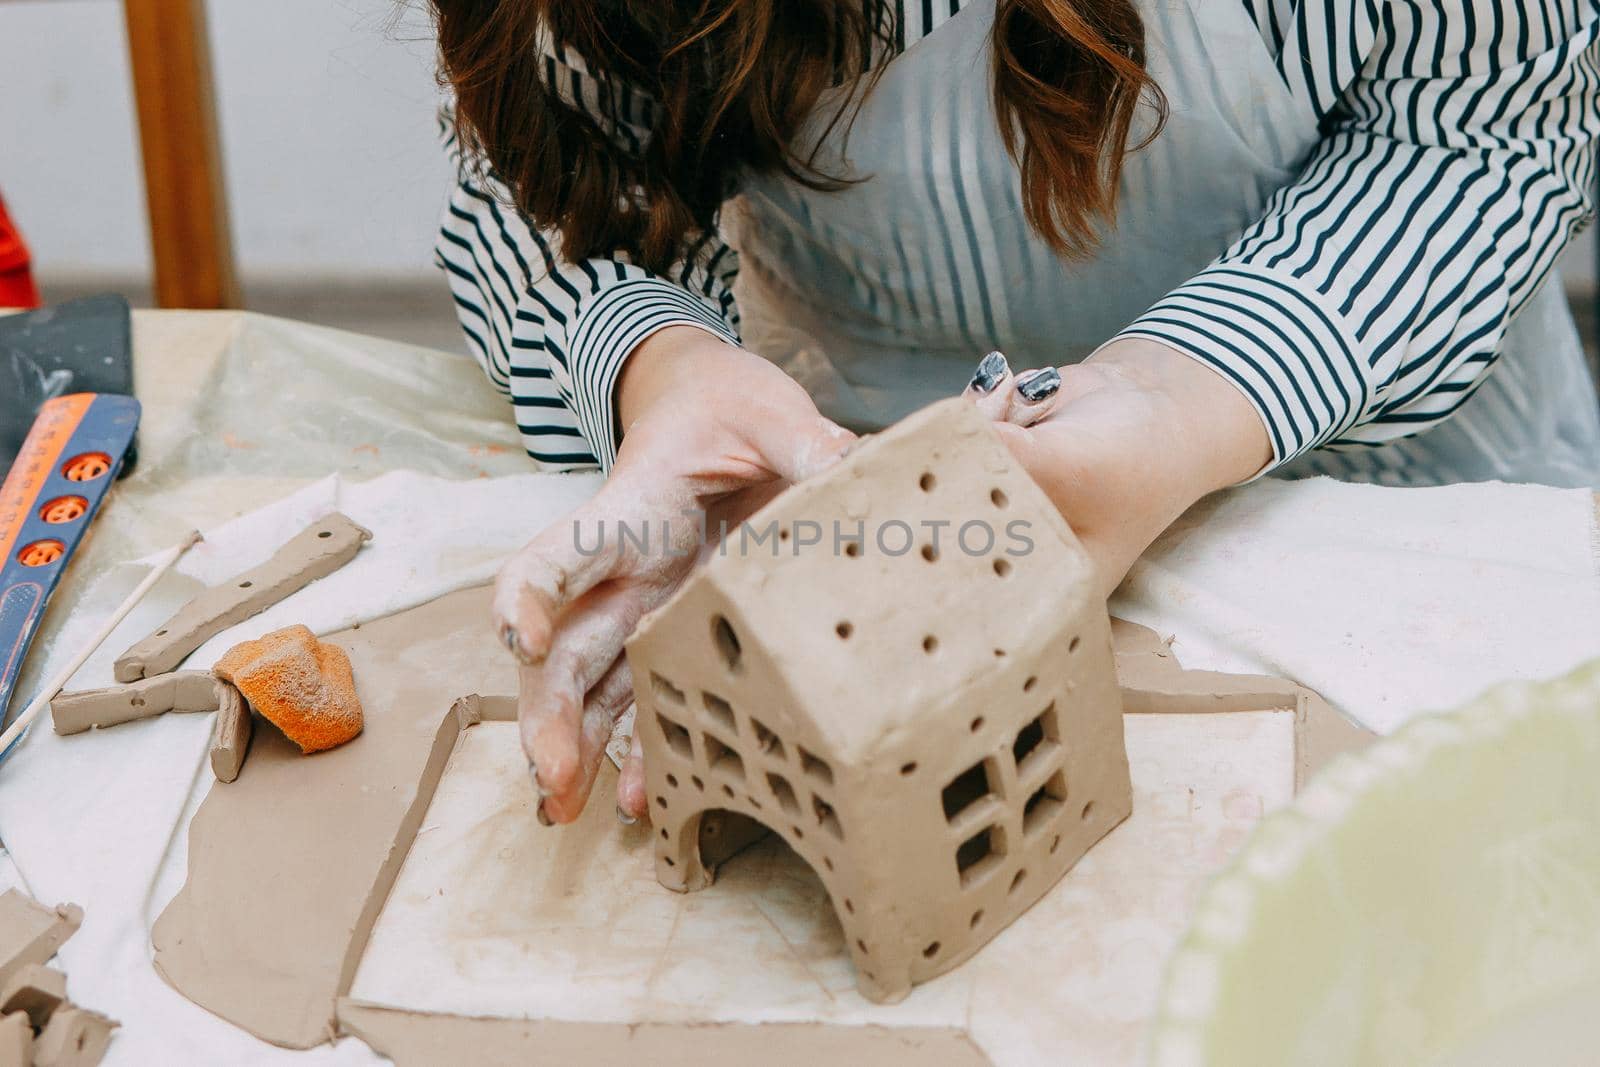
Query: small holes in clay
(672, 780)
(664, 835)
(1072, 646)
(930, 644)
(799, 834)
(728, 792)
(1045, 803)
(720, 711)
(666, 690)
(137, 702)
(1002, 567)
(784, 792)
(862, 945)
(161, 633)
(677, 737)
(1028, 739)
(851, 908)
(724, 760)
(1033, 680)
(966, 789)
(852, 549)
(931, 951)
(976, 724)
(246, 585)
(661, 802)
(827, 861)
(767, 740)
(1087, 810)
(324, 534)
(668, 860)
(997, 497)
(977, 917)
(698, 784)
(783, 534)
(927, 481)
(727, 642)
(1055, 843)
(1017, 880)
(908, 768)
(844, 630)
(814, 766)
(827, 818)
(930, 553)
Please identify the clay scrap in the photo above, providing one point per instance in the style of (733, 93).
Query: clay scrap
(934, 726)
(315, 552)
(38, 1024)
(74, 1037)
(30, 932)
(16, 1041)
(35, 991)
(303, 686)
(182, 691)
(230, 739)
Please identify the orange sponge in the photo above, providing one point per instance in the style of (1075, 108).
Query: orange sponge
(301, 685)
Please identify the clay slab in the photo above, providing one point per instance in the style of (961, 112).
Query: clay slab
(315, 552)
(285, 864)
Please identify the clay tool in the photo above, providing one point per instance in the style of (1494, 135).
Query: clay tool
(315, 552)
(163, 563)
(49, 497)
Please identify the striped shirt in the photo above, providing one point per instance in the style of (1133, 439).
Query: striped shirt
(1366, 304)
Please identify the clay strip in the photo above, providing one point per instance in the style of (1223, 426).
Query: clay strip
(231, 739)
(183, 691)
(35, 991)
(31, 932)
(315, 552)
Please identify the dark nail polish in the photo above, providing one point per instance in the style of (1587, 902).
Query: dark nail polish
(624, 818)
(1040, 385)
(544, 820)
(992, 370)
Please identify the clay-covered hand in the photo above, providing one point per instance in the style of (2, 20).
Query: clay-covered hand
(1124, 442)
(708, 430)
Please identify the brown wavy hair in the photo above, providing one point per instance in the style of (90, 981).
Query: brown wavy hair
(734, 81)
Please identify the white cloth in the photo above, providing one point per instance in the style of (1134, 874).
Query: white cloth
(1388, 600)
(100, 818)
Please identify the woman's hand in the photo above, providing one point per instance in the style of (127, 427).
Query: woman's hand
(710, 431)
(1124, 442)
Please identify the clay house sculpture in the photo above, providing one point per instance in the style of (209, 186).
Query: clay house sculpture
(925, 709)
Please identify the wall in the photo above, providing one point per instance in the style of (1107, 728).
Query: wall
(326, 109)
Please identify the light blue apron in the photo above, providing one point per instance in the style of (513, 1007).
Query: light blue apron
(879, 298)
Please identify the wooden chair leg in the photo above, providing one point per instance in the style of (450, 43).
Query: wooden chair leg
(189, 234)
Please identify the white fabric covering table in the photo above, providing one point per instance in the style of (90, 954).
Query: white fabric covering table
(1386, 601)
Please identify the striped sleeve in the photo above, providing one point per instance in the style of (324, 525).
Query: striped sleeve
(1371, 298)
(553, 334)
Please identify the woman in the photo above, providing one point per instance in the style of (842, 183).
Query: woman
(1254, 235)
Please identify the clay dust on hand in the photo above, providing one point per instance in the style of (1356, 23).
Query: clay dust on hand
(301, 685)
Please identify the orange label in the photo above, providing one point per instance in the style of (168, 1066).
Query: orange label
(47, 442)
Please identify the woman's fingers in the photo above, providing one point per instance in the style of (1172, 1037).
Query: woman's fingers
(566, 560)
(632, 801)
(603, 705)
(990, 387)
(553, 692)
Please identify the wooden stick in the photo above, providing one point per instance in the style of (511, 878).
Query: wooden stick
(163, 564)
